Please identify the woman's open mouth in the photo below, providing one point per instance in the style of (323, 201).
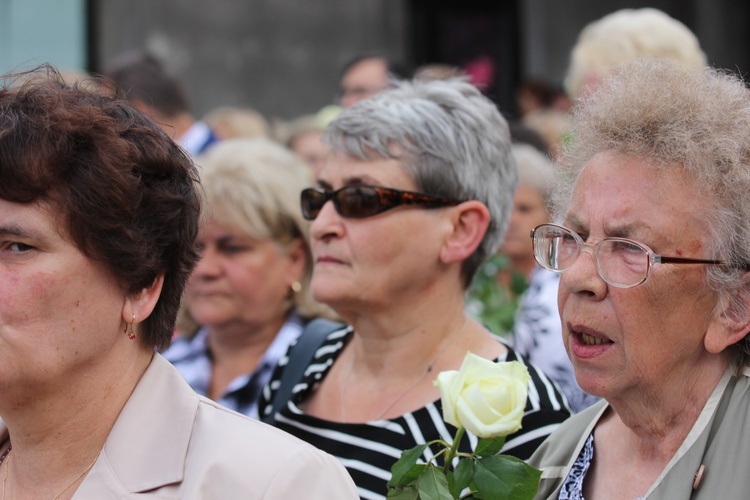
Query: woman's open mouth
(587, 339)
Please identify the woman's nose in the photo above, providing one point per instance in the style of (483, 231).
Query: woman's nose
(583, 276)
(327, 224)
(208, 265)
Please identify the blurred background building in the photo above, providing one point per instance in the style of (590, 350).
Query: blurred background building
(283, 57)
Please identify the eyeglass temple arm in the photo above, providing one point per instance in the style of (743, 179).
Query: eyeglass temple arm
(409, 198)
(685, 260)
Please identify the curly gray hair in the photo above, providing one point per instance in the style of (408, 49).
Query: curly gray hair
(698, 121)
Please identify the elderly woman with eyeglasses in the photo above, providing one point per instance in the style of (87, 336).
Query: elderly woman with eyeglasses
(414, 197)
(653, 250)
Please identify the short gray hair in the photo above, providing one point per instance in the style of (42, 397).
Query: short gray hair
(449, 137)
(697, 121)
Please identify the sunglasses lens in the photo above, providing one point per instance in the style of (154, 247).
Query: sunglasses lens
(358, 201)
(312, 201)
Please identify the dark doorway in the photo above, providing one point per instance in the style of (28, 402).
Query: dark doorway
(479, 36)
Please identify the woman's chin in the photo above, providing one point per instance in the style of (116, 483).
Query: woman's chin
(593, 382)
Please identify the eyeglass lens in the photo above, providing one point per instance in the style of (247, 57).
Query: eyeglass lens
(350, 201)
(620, 262)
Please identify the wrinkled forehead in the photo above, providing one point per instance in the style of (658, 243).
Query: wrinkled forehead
(622, 189)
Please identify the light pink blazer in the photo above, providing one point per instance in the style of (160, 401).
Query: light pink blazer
(170, 443)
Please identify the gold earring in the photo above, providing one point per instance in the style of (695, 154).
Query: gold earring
(129, 329)
(296, 287)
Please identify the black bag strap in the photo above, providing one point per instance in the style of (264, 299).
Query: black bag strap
(311, 338)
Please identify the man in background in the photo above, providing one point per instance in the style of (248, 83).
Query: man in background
(149, 86)
(365, 76)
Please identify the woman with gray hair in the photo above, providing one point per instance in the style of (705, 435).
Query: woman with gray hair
(250, 290)
(654, 294)
(414, 197)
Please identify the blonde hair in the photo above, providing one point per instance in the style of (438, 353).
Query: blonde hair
(233, 123)
(534, 169)
(253, 186)
(626, 35)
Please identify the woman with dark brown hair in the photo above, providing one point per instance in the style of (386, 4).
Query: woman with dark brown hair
(98, 219)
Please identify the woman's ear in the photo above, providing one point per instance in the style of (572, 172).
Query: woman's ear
(140, 305)
(296, 254)
(731, 322)
(469, 222)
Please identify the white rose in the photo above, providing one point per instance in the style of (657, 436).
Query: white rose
(486, 398)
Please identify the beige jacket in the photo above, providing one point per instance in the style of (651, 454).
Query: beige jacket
(170, 443)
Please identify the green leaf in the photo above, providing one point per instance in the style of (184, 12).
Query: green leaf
(413, 473)
(461, 477)
(490, 302)
(506, 477)
(403, 471)
(433, 485)
(487, 447)
(409, 493)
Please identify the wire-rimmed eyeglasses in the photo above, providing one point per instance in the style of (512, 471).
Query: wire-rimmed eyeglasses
(620, 262)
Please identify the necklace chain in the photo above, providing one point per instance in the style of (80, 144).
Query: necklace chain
(7, 455)
(405, 391)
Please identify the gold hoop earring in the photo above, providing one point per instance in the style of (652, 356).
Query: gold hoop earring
(129, 329)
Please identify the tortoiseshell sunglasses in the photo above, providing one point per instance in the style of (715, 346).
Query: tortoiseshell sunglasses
(357, 201)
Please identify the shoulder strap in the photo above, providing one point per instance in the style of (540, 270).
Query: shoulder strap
(311, 338)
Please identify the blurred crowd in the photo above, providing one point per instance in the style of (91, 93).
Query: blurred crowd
(511, 295)
(393, 296)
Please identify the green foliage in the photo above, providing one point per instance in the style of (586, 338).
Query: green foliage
(408, 493)
(488, 447)
(406, 469)
(505, 477)
(433, 485)
(480, 475)
(491, 303)
(461, 477)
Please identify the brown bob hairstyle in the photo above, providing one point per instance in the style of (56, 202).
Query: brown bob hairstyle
(126, 193)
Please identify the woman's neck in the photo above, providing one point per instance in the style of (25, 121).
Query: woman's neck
(404, 340)
(237, 340)
(396, 351)
(238, 350)
(660, 420)
(57, 433)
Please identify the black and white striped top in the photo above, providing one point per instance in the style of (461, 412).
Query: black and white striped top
(369, 450)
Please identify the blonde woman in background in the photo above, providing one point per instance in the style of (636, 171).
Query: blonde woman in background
(624, 36)
(249, 291)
